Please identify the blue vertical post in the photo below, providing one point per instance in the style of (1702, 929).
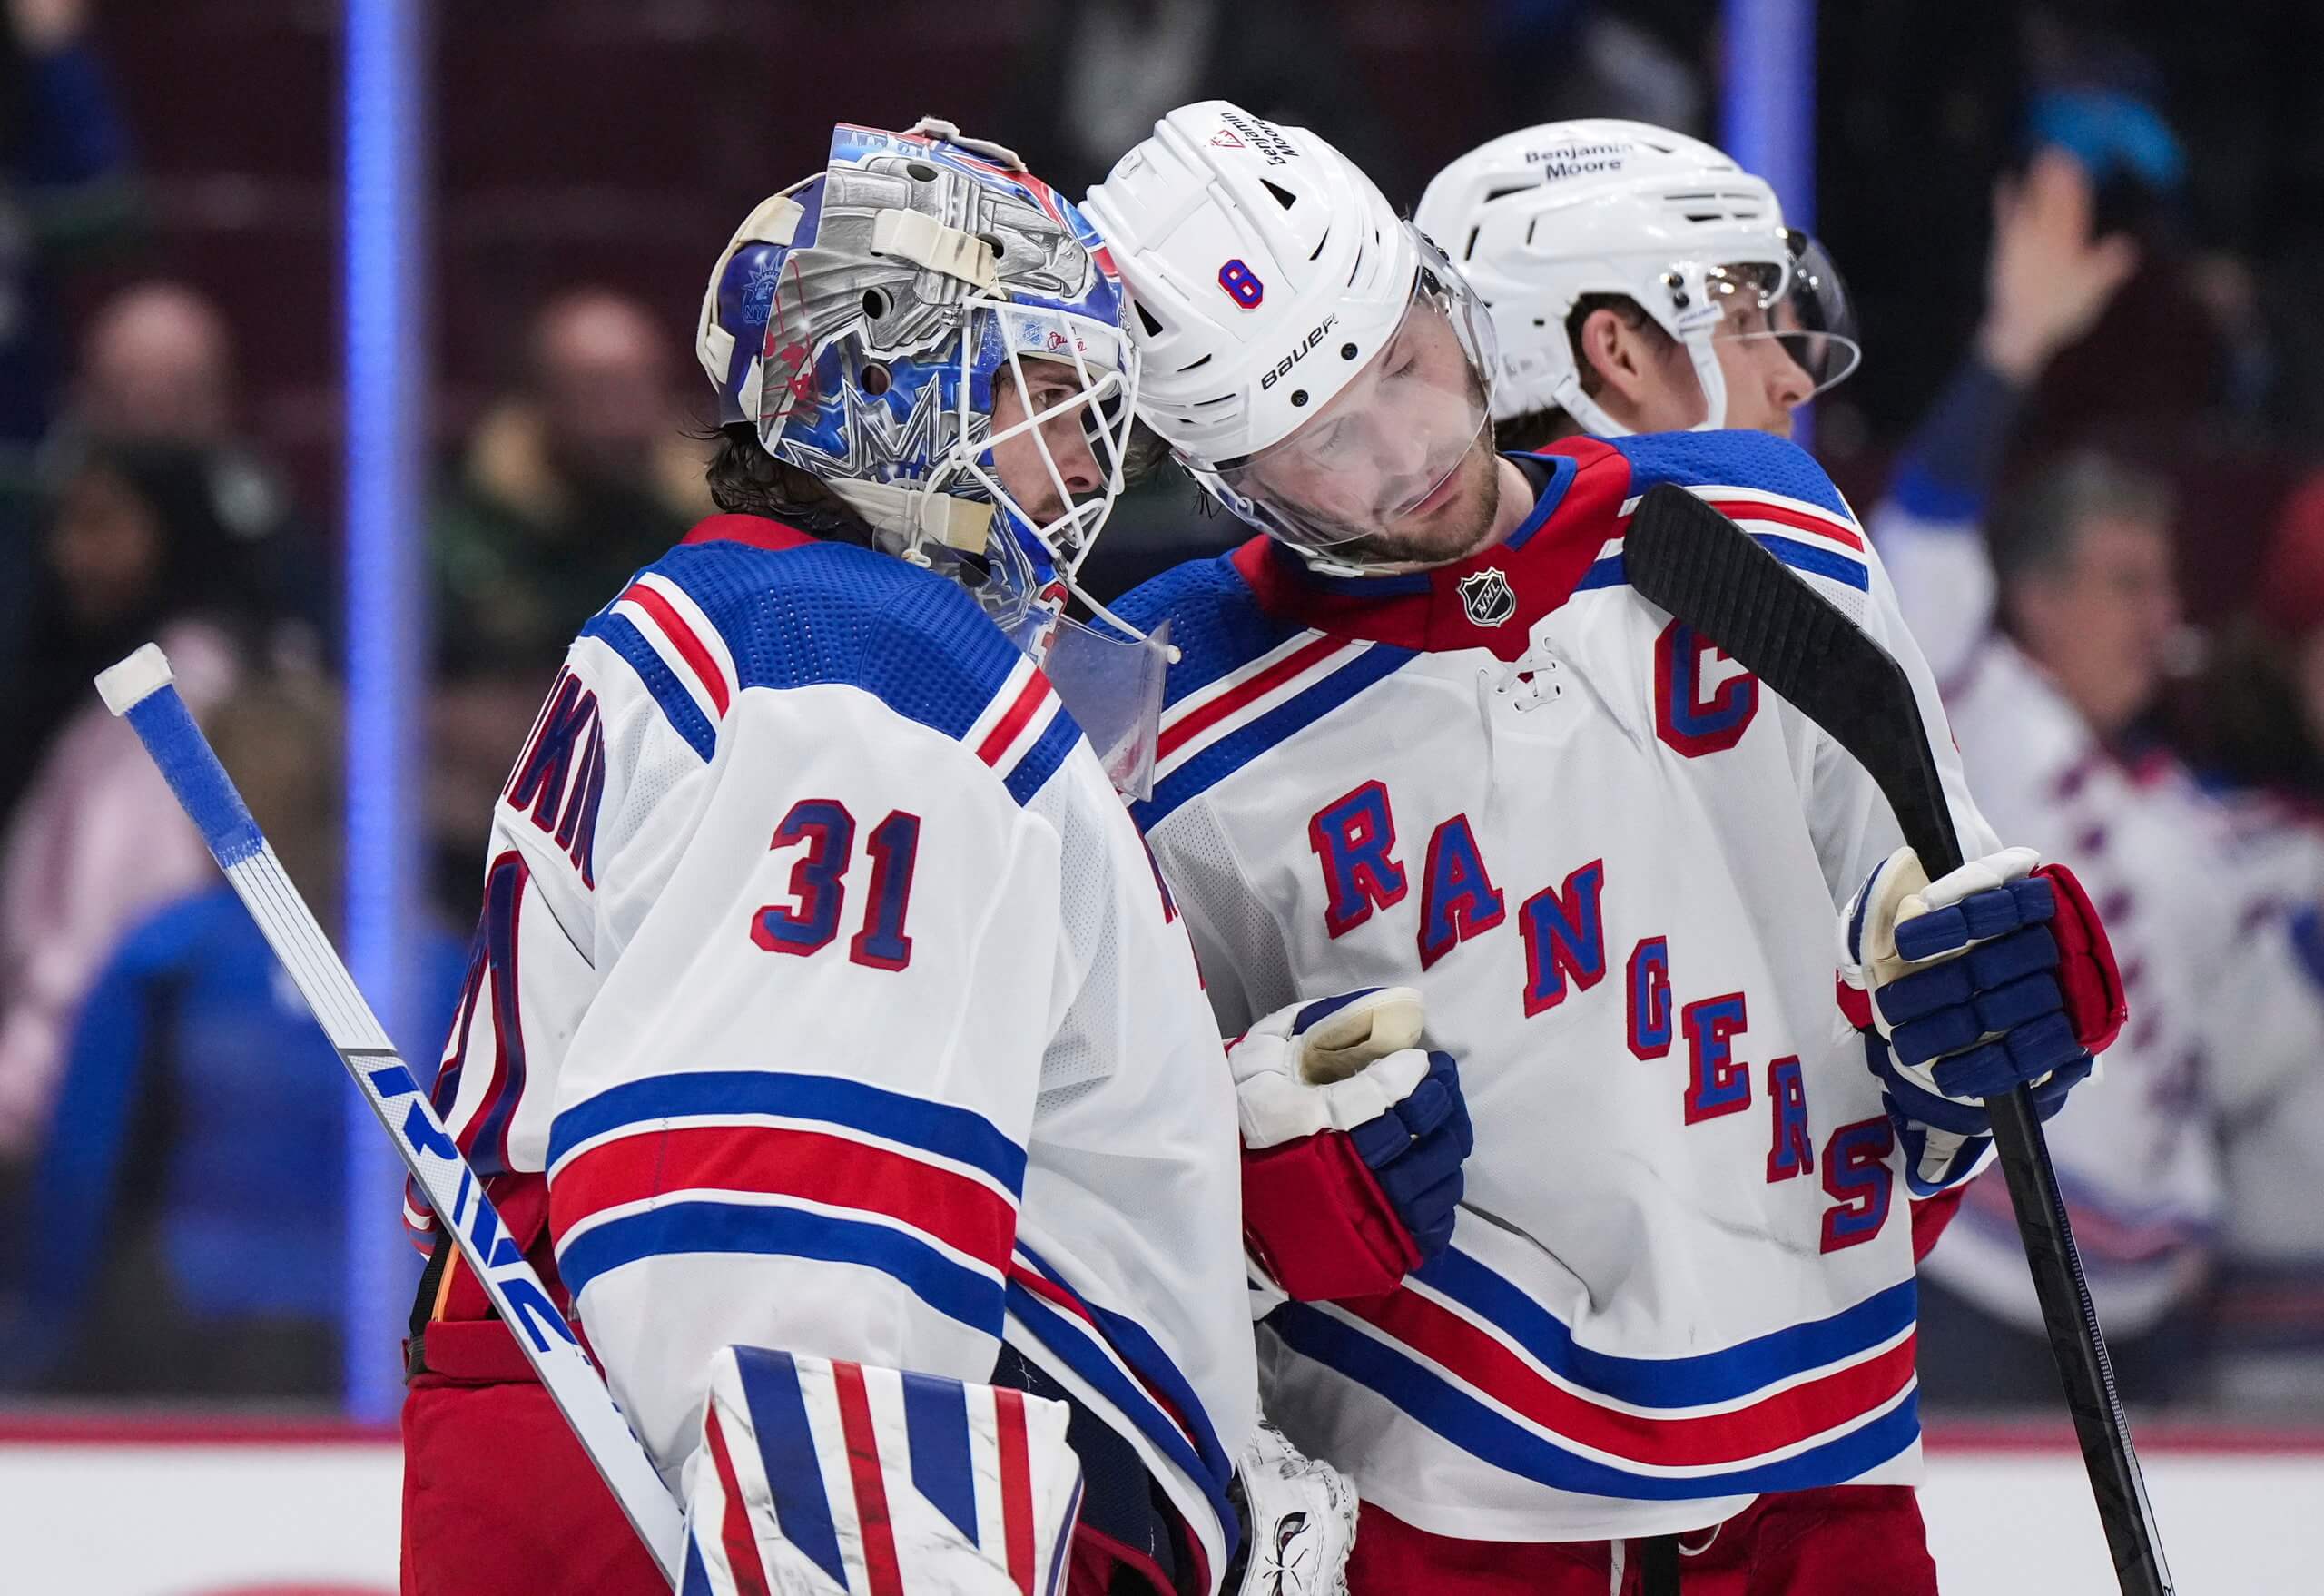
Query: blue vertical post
(1768, 99)
(386, 369)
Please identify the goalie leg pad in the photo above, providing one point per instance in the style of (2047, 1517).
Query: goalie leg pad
(821, 1477)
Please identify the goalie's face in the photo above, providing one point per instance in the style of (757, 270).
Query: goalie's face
(1047, 467)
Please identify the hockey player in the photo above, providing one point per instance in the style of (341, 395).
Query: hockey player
(1579, 238)
(829, 1036)
(1571, 234)
(1422, 732)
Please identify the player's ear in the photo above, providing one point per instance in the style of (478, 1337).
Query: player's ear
(1614, 358)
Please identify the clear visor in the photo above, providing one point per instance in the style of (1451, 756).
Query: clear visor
(1801, 306)
(1388, 447)
(1056, 446)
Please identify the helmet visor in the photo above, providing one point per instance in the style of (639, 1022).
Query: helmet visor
(1802, 305)
(1390, 441)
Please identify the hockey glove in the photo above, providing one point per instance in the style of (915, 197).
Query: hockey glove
(1353, 1139)
(1298, 1521)
(1994, 975)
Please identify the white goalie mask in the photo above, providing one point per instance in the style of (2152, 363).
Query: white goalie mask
(1311, 357)
(1538, 219)
(866, 321)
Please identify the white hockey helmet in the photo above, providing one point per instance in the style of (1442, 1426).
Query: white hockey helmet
(1537, 219)
(1268, 276)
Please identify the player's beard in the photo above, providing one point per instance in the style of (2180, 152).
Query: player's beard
(1453, 529)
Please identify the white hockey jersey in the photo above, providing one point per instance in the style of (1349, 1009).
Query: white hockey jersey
(823, 974)
(1683, 1272)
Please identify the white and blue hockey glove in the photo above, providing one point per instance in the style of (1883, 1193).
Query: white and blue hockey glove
(1994, 975)
(1353, 1141)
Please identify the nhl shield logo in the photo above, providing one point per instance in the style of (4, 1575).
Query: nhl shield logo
(1488, 597)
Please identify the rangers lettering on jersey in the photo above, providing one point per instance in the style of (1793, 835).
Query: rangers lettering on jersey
(1612, 865)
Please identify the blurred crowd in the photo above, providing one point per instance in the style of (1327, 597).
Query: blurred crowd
(2089, 436)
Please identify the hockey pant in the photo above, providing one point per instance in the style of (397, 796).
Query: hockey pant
(1840, 1540)
(499, 1500)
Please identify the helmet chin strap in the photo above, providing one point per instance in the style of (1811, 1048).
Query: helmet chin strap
(1571, 398)
(1713, 379)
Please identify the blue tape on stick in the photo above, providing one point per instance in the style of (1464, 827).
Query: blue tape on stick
(164, 724)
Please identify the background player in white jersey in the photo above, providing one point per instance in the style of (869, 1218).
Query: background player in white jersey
(1425, 733)
(826, 1000)
(2049, 615)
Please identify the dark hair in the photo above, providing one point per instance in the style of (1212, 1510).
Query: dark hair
(2035, 527)
(746, 480)
(1540, 429)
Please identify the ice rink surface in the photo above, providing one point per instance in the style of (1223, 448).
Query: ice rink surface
(115, 1509)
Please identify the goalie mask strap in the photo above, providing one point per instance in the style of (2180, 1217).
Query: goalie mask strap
(917, 237)
(917, 516)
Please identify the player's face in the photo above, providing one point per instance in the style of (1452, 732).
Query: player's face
(2102, 627)
(1764, 383)
(1651, 385)
(1017, 460)
(1398, 469)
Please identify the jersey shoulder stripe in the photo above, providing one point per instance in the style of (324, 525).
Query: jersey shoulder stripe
(1770, 485)
(1743, 461)
(724, 613)
(1024, 733)
(1245, 680)
(679, 707)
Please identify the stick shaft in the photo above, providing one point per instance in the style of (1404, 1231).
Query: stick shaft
(163, 724)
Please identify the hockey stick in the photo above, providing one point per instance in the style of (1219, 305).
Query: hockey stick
(139, 689)
(1707, 572)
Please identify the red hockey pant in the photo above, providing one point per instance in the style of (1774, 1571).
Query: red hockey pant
(499, 1500)
(1844, 1541)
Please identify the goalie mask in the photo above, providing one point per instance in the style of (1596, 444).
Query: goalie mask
(864, 322)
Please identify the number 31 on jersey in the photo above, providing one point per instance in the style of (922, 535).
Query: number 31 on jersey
(807, 924)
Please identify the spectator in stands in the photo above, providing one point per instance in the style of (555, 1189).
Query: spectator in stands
(579, 475)
(64, 183)
(2263, 709)
(158, 366)
(185, 1228)
(158, 363)
(2050, 645)
(64, 188)
(571, 482)
(142, 546)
